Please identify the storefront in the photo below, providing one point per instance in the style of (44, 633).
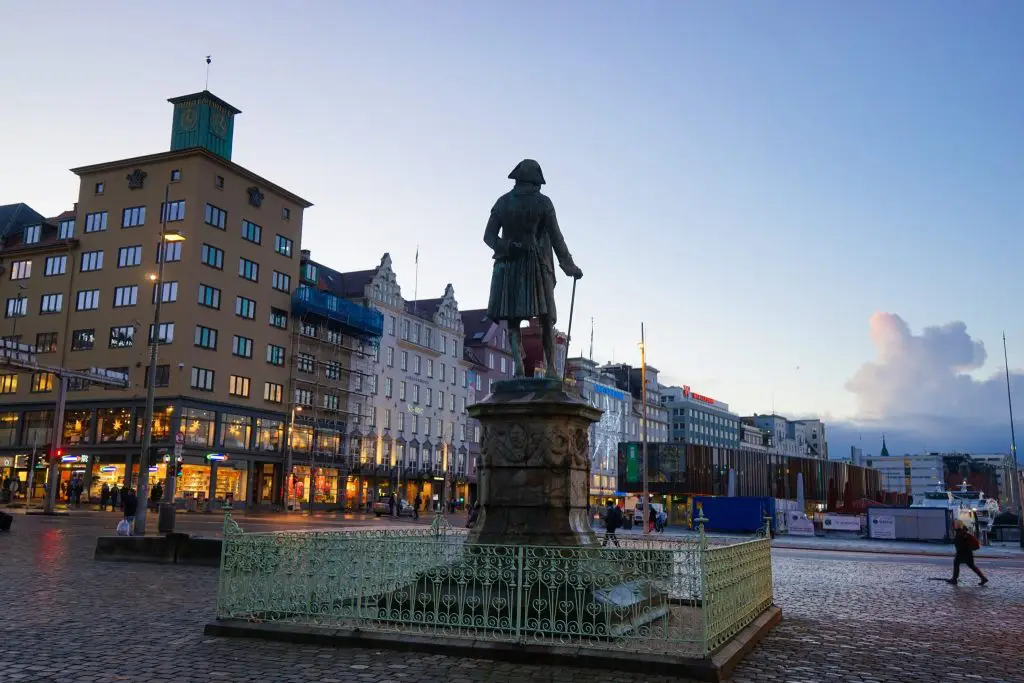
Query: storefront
(215, 479)
(326, 484)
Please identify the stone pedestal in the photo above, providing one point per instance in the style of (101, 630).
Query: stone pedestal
(534, 482)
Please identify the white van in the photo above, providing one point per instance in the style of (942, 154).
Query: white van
(638, 512)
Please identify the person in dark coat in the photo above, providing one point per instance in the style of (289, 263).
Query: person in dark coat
(130, 502)
(115, 498)
(612, 522)
(156, 495)
(965, 544)
(104, 496)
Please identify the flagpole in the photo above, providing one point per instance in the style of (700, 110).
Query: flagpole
(416, 284)
(1015, 480)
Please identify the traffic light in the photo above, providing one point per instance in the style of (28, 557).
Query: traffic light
(177, 468)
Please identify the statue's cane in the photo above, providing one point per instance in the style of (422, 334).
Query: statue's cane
(568, 334)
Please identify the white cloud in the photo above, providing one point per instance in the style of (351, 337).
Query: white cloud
(919, 391)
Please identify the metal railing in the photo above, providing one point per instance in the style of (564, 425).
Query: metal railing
(678, 596)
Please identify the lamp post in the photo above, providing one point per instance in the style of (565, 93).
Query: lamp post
(17, 314)
(289, 475)
(166, 237)
(643, 425)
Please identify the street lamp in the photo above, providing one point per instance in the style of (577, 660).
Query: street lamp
(643, 424)
(17, 313)
(289, 476)
(165, 237)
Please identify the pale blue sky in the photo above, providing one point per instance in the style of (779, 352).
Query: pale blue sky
(752, 180)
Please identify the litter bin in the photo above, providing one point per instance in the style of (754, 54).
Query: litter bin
(165, 521)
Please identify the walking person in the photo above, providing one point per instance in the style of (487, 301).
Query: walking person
(115, 497)
(612, 521)
(104, 496)
(965, 544)
(416, 503)
(652, 518)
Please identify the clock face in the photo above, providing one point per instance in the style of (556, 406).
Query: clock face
(218, 123)
(189, 118)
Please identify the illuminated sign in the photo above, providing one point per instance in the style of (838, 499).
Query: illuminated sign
(216, 457)
(698, 397)
(70, 458)
(108, 468)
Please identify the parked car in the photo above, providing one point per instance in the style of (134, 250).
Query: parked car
(381, 508)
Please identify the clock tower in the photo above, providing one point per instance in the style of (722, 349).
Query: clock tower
(203, 120)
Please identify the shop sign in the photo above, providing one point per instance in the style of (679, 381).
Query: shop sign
(840, 523)
(698, 397)
(216, 457)
(8, 462)
(108, 468)
(632, 462)
(883, 526)
(71, 458)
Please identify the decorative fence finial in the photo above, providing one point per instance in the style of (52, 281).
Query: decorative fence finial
(701, 519)
(230, 525)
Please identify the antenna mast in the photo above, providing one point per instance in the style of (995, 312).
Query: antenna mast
(208, 60)
(416, 285)
(591, 338)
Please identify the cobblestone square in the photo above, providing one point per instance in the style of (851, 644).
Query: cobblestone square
(846, 617)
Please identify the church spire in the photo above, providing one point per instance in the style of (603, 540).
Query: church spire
(885, 449)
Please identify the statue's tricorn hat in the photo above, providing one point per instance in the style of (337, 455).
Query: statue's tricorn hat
(527, 171)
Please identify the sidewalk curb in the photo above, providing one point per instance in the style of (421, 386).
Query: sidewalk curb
(913, 553)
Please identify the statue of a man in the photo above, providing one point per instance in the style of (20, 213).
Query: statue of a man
(523, 232)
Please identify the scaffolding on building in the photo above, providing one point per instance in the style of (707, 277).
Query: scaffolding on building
(333, 346)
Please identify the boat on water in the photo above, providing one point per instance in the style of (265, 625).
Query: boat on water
(968, 506)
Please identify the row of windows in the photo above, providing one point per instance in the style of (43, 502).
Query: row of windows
(422, 335)
(131, 217)
(415, 395)
(130, 257)
(418, 367)
(251, 232)
(204, 379)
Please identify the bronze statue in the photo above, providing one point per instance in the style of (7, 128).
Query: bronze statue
(523, 281)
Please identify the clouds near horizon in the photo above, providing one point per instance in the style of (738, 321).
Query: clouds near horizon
(923, 391)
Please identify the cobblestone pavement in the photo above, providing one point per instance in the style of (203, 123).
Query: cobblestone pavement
(846, 617)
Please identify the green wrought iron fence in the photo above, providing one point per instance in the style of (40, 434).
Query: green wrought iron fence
(666, 595)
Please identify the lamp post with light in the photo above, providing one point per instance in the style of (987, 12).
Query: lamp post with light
(17, 314)
(643, 424)
(166, 237)
(289, 474)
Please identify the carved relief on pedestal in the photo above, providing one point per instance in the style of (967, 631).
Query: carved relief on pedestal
(554, 445)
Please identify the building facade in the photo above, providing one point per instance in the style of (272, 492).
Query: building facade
(919, 473)
(84, 295)
(489, 352)
(336, 446)
(700, 420)
(677, 472)
(813, 436)
(754, 439)
(617, 424)
(422, 390)
(631, 380)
